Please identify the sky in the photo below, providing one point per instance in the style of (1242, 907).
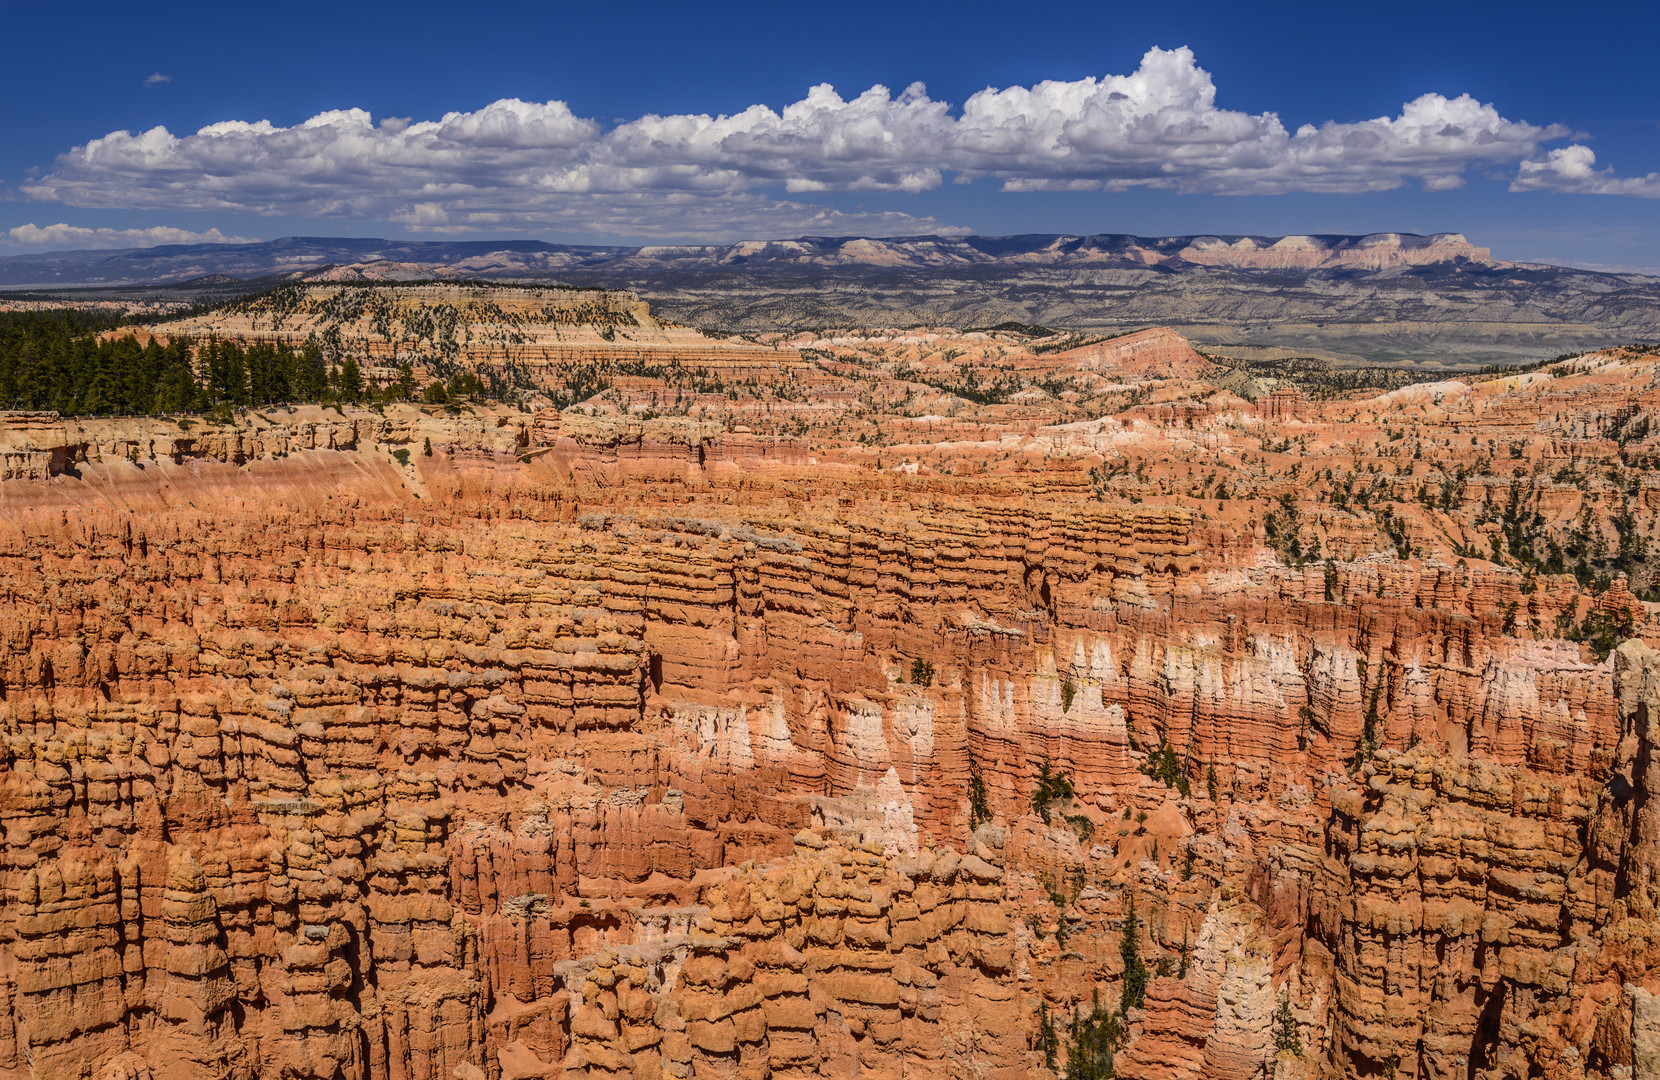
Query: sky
(1532, 128)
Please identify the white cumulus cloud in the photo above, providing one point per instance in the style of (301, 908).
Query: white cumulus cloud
(521, 165)
(77, 236)
(1573, 170)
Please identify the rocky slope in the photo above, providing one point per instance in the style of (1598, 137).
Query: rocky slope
(529, 333)
(601, 744)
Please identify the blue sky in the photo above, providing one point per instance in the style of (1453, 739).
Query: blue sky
(600, 122)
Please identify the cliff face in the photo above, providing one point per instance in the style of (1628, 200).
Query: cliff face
(1379, 251)
(1491, 920)
(595, 745)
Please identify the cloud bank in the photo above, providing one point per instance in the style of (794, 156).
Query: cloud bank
(61, 235)
(521, 165)
(1573, 170)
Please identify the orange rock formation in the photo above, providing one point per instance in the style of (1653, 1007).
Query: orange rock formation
(601, 744)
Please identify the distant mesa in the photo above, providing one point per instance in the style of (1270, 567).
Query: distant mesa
(345, 259)
(1378, 251)
(383, 270)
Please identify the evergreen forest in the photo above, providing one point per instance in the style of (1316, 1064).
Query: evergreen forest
(56, 360)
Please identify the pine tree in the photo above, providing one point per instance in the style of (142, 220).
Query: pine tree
(1046, 1039)
(348, 379)
(1285, 1028)
(979, 807)
(1095, 1039)
(311, 376)
(1135, 972)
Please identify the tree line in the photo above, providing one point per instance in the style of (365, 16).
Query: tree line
(56, 360)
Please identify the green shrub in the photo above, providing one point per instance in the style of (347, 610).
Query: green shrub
(979, 810)
(1164, 765)
(1051, 787)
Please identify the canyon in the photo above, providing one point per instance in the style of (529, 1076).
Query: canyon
(893, 702)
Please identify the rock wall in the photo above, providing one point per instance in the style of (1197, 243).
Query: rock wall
(1489, 920)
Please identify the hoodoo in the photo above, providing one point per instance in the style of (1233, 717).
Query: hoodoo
(891, 703)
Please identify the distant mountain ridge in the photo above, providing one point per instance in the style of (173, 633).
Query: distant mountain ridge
(300, 255)
(1374, 298)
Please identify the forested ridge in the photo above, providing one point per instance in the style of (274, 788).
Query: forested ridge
(55, 360)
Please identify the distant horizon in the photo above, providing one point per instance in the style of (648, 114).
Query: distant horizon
(758, 239)
(538, 243)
